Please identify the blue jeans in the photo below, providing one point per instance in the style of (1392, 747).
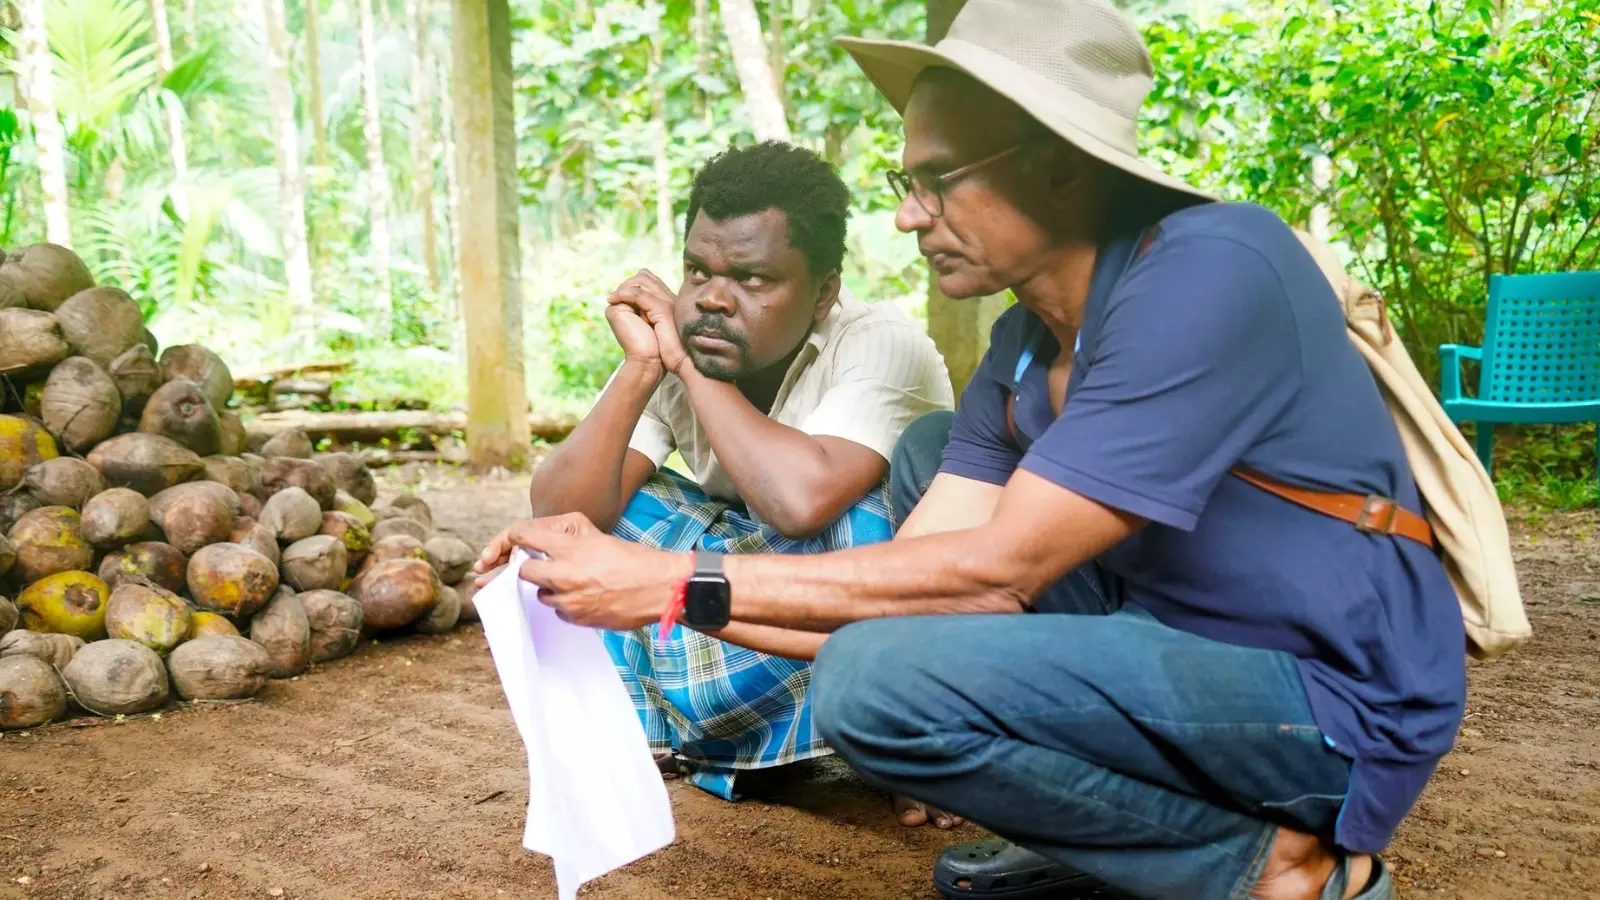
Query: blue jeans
(1155, 760)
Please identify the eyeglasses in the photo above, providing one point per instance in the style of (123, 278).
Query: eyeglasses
(930, 189)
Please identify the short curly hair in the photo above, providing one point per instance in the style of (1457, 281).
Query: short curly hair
(774, 175)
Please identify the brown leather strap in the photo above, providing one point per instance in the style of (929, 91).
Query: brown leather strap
(1378, 515)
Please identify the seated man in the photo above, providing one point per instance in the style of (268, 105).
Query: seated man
(785, 400)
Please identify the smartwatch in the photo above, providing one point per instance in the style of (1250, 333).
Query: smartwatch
(706, 604)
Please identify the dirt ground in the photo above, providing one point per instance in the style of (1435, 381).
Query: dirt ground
(397, 773)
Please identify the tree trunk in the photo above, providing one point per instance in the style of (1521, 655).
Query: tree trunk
(959, 328)
(377, 175)
(319, 128)
(776, 18)
(373, 427)
(481, 84)
(663, 169)
(175, 142)
(48, 139)
(761, 100)
(702, 55)
(422, 137)
(452, 189)
(291, 178)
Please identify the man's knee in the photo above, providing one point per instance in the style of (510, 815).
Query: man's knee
(863, 692)
(916, 459)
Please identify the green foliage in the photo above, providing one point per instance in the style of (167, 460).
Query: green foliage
(1464, 138)
(1547, 466)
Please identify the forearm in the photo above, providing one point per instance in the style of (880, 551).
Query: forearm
(781, 472)
(584, 472)
(954, 572)
(788, 643)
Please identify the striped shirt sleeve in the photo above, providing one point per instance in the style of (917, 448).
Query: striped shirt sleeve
(886, 375)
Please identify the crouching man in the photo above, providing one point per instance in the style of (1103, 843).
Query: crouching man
(785, 400)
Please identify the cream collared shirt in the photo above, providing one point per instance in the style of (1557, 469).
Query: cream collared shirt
(865, 373)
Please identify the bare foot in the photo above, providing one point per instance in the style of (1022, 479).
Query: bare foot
(668, 765)
(1300, 866)
(913, 814)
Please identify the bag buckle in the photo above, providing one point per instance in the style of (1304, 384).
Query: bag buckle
(1375, 509)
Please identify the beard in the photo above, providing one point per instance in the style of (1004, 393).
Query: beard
(718, 367)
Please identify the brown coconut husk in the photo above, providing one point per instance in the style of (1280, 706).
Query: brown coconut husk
(114, 517)
(400, 525)
(159, 563)
(153, 616)
(289, 443)
(445, 613)
(316, 563)
(11, 296)
(117, 678)
(203, 624)
(247, 532)
(64, 481)
(194, 515)
(351, 475)
(282, 628)
(284, 472)
(203, 367)
(148, 463)
(101, 323)
(47, 541)
(13, 507)
(136, 375)
(151, 342)
(336, 620)
(23, 444)
(219, 667)
(80, 404)
(66, 603)
(30, 342)
(31, 693)
(343, 502)
(291, 514)
(233, 433)
(250, 506)
(231, 471)
(450, 557)
(415, 507)
(349, 532)
(231, 579)
(396, 593)
(55, 649)
(179, 410)
(47, 274)
(8, 558)
(397, 546)
(8, 615)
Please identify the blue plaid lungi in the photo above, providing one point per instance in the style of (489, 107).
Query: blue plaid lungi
(720, 707)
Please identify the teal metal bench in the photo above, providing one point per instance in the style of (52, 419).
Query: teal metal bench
(1540, 360)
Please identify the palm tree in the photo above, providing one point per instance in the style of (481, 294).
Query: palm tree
(761, 99)
(377, 173)
(48, 138)
(175, 141)
(291, 178)
(422, 136)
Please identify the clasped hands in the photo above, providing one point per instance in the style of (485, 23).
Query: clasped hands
(640, 314)
(587, 576)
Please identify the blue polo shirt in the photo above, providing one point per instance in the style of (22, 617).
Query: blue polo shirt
(1222, 343)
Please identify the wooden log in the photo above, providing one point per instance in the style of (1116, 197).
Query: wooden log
(374, 427)
(266, 377)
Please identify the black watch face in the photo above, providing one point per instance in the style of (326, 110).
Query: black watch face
(706, 603)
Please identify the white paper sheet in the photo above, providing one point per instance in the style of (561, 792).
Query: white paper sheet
(596, 801)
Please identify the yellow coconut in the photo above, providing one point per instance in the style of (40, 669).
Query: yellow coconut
(49, 540)
(66, 603)
(23, 444)
(207, 624)
(153, 616)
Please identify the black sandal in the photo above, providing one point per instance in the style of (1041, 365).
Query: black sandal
(1002, 869)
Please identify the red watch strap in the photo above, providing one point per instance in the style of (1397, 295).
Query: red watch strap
(669, 616)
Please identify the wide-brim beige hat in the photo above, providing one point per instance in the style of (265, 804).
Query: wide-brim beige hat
(1078, 66)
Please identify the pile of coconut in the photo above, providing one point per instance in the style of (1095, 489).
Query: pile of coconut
(144, 553)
